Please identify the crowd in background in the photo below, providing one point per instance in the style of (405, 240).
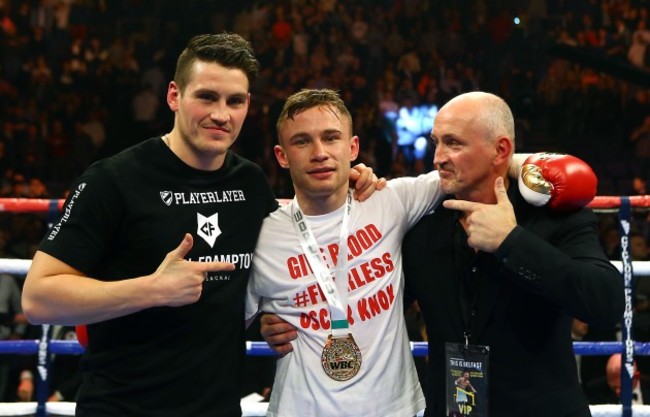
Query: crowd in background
(83, 79)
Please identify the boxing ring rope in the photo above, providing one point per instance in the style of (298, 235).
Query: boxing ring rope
(252, 408)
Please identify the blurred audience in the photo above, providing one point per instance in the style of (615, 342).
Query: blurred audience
(84, 79)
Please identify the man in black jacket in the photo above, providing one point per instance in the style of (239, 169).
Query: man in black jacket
(495, 275)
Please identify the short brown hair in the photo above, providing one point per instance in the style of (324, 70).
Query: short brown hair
(227, 49)
(309, 98)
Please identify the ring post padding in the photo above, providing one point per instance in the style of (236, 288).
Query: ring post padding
(42, 370)
(627, 368)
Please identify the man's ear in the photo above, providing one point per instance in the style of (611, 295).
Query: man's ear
(354, 148)
(173, 94)
(281, 156)
(504, 149)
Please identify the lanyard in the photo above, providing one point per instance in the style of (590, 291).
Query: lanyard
(336, 293)
(465, 261)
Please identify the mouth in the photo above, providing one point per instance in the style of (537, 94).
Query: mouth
(321, 172)
(445, 173)
(217, 129)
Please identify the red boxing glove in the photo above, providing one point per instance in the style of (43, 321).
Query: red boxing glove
(563, 182)
(82, 334)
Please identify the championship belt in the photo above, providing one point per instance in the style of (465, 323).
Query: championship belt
(341, 357)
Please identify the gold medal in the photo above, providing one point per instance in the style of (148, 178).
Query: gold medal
(341, 357)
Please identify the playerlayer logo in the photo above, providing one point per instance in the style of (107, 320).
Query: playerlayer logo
(66, 211)
(226, 196)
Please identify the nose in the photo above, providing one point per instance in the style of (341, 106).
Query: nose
(318, 151)
(220, 113)
(439, 155)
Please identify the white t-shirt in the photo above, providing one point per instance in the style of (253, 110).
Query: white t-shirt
(282, 283)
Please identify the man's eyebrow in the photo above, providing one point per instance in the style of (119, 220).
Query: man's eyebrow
(217, 93)
(325, 131)
(332, 131)
(299, 135)
(446, 137)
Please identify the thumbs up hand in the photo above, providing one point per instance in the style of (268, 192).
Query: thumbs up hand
(487, 225)
(179, 282)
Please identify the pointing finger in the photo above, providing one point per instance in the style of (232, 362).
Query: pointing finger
(214, 266)
(461, 205)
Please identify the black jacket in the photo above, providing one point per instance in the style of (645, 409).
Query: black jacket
(550, 269)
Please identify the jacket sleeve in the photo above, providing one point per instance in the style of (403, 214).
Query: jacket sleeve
(561, 259)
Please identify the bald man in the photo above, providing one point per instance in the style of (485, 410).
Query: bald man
(498, 281)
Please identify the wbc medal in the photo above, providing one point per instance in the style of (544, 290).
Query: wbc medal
(341, 358)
